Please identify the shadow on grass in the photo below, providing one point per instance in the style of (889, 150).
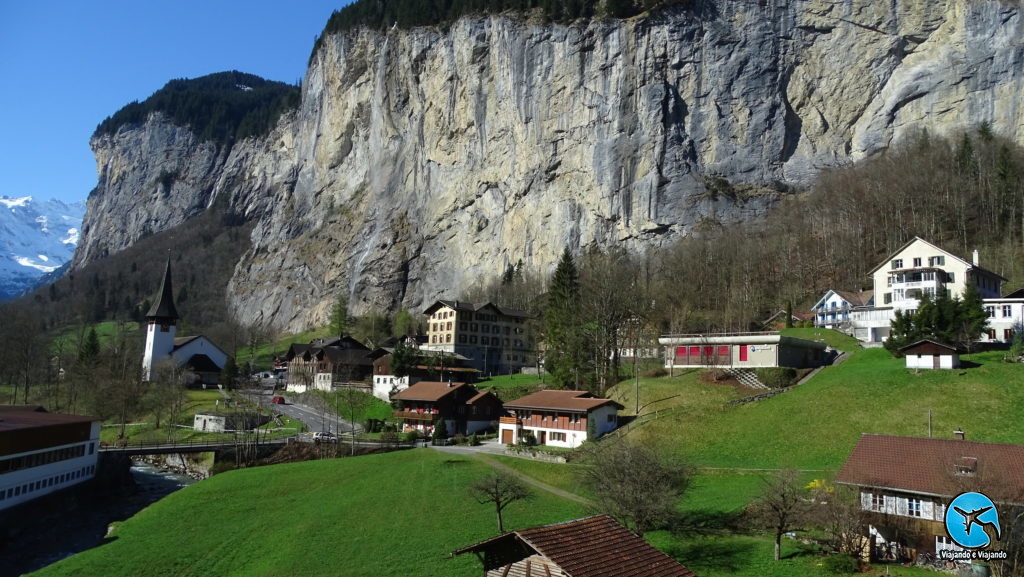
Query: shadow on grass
(721, 556)
(705, 522)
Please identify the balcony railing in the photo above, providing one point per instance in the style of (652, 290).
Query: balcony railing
(413, 415)
(508, 421)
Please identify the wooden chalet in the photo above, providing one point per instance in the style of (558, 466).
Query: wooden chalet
(326, 363)
(558, 418)
(907, 483)
(464, 409)
(595, 546)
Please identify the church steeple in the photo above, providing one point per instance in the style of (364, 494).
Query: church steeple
(163, 310)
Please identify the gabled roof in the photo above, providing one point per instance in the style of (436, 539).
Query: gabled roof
(30, 417)
(929, 466)
(474, 307)
(595, 546)
(182, 342)
(940, 249)
(163, 309)
(429, 391)
(573, 401)
(854, 298)
(1017, 294)
(915, 345)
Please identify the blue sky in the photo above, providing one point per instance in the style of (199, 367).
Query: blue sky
(67, 65)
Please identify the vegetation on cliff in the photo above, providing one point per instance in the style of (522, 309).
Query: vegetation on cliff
(220, 107)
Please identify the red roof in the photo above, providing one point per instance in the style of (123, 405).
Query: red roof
(29, 417)
(940, 467)
(575, 401)
(428, 391)
(595, 546)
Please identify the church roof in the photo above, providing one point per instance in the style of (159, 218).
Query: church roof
(163, 308)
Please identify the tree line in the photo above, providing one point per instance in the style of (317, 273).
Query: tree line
(216, 107)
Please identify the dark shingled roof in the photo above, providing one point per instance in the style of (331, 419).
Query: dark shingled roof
(576, 401)
(163, 308)
(932, 466)
(595, 546)
(474, 307)
(429, 391)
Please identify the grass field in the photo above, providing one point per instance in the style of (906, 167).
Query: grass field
(816, 425)
(386, 515)
(262, 356)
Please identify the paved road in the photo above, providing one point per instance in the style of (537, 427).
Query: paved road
(315, 420)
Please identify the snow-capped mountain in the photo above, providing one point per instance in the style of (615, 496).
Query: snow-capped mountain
(36, 238)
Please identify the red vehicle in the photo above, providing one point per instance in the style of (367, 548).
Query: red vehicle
(277, 400)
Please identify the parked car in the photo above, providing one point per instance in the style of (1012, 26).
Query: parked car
(324, 437)
(278, 400)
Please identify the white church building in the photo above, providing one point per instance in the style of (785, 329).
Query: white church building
(198, 354)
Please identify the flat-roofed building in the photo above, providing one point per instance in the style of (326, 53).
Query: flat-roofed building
(743, 351)
(43, 452)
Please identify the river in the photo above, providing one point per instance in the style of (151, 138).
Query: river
(60, 534)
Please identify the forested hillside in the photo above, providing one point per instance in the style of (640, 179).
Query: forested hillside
(220, 107)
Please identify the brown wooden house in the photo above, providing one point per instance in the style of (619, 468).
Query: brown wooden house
(326, 363)
(464, 409)
(558, 418)
(907, 484)
(595, 546)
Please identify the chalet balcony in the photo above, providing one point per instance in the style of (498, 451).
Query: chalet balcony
(508, 421)
(415, 415)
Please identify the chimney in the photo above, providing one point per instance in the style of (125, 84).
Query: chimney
(959, 434)
(975, 257)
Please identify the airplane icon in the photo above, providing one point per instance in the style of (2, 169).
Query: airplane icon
(971, 519)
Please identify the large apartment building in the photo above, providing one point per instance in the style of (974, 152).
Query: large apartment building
(494, 338)
(915, 269)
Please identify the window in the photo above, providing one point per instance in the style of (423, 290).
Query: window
(433, 339)
(897, 263)
(917, 262)
(462, 326)
(936, 261)
(472, 339)
(991, 334)
(929, 275)
(462, 339)
(495, 341)
(877, 502)
(449, 326)
(485, 328)
(914, 507)
(557, 437)
(950, 277)
(888, 281)
(1007, 335)
(887, 298)
(447, 338)
(1006, 310)
(574, 418)
(990, 312)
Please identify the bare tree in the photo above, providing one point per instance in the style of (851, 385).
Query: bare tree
(783, 506)
(636, 486)
(501, 490)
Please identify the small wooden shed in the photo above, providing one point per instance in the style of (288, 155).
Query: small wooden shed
(929, 354)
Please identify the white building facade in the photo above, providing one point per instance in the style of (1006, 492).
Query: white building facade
(41, 453)
(558, 418)
(918, 268)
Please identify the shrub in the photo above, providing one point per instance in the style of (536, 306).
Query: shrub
(843, 564)
(473, 440)
(776, 377)
(459, 439)
(654, 373)
(411, 436)
(389, 437)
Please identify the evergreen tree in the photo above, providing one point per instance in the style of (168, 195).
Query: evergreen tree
(89, 352)
(970, 320)
(563, 339)
(403, 359)
(229, 375)
(440, 430)
(339, 316)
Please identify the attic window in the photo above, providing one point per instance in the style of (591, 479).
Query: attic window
(967, 466)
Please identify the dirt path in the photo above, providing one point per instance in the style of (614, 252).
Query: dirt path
(531, 481)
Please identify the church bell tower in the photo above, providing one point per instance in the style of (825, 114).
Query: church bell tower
(161, 324)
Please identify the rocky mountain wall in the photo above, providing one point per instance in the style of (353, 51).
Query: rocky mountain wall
(423, 160)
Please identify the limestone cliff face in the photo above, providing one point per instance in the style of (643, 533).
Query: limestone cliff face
(422, 160)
